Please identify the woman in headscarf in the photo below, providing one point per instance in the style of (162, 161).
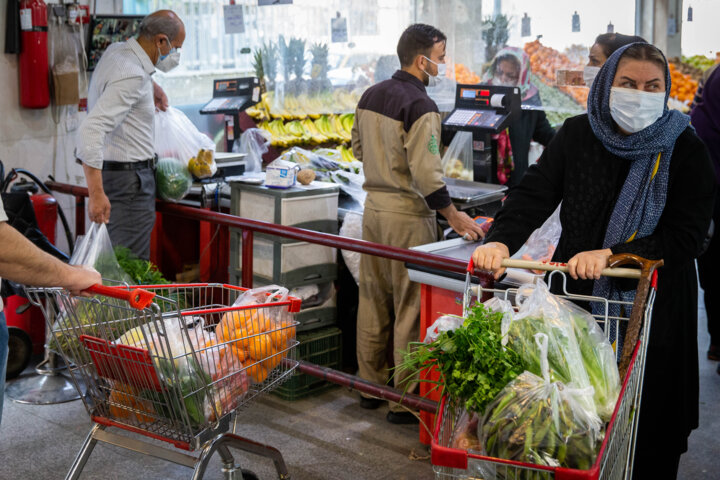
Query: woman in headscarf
(511, 67)
(633, 177)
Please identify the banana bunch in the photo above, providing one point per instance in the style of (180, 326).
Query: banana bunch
(328, 127)
(297, 129)
(281, 138)
(201, 165)
(346, 154)
(315, 136)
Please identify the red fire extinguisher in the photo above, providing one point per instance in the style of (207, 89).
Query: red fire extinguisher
(34, 81)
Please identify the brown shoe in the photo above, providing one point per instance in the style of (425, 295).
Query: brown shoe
(713, 353)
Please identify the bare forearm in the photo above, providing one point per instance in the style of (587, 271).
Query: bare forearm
(23, 262)
(93, 176)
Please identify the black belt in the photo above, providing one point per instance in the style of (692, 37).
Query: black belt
(112, 165)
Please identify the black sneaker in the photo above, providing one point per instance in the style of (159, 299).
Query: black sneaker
(370, 403)
(402, 418)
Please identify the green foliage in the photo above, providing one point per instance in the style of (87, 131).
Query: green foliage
(474, 366)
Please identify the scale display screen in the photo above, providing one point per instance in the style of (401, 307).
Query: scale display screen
(479, 96)
(229, 88)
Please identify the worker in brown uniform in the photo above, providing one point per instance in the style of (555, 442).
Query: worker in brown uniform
(397, 137)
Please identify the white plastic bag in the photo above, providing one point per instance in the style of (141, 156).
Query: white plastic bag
(352, 228)
(351, 183)
(536, 420)
(177, 142)
(541, 244)
(579, 354)
(458, 159)
(254, 142)
(446, 323)
(94, 249)
(177, 137)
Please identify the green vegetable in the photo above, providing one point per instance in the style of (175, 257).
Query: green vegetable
(173, 179)
(543, 423)
(472, 362)
(191, 386)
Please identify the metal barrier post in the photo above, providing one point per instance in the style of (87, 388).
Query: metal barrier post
(247, 258)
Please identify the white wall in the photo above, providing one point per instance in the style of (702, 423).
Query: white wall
(30, 139)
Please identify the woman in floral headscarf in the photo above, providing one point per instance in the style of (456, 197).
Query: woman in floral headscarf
(511, 67)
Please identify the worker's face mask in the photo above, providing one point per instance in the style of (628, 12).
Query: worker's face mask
(589, 74)
(441, 70)
(634, 110)
(167, 62)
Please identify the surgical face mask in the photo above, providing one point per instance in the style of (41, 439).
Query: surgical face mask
(634, 110)
(165, 63)
(501, 83)
(433, 79)
(589, 74)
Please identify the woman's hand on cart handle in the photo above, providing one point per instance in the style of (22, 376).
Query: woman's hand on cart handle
(589, 265)
(490, 256)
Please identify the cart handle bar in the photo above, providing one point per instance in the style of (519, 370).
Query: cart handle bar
(137, 297)
(552, 266)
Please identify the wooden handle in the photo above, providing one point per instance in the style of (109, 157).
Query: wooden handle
(137, 298)
(552, 266)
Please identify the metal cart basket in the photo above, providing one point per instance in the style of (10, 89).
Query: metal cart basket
(615, 457)
(172, 363)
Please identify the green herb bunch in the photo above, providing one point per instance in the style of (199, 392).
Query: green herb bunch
(473, 364)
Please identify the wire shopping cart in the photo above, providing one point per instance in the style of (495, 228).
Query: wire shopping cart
(615, 457)
(173, 363)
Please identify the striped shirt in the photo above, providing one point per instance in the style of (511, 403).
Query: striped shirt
(120, 122)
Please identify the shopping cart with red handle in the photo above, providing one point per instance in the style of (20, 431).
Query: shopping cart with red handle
(172, 363)
(615, 457)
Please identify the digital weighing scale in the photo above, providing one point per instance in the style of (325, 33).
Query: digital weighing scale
(230, 97)
(484, 110)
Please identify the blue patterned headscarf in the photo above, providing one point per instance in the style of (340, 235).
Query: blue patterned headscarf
(642, 198)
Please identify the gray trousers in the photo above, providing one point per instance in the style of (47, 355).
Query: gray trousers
(132, 214)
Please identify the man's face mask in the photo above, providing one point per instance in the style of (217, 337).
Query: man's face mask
(167, 62)
(634, 110)
(441, 70)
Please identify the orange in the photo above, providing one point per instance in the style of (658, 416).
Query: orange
(234, 355)
(284, 333)
(123, 400)
(258, 373)
(230, 322)
(261, 346)
(273, 361)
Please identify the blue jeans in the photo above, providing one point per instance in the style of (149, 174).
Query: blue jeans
(3, 358)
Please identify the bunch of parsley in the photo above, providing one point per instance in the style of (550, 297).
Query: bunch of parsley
(473, 364)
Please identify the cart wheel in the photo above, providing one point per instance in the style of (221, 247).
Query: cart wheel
(248, 475)
(19, 352)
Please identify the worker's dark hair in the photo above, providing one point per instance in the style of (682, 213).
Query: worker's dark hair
(508, 57)
(609, 42)
(646, 52)
(417, 39)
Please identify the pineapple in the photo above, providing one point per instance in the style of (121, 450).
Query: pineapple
(320, 68)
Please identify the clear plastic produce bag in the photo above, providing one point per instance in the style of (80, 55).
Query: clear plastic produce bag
(536, 420)
(541, 244)
(254, 142)
(177, 137)
(352, 228)
(579, 355)
(94, 249)
(172, 179)
(458, 159)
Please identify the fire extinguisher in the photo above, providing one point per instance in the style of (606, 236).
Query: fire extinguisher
(33, 61)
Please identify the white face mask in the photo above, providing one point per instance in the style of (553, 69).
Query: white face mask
(589, 74)
(634, 110)
(165, 63)
(441, 68)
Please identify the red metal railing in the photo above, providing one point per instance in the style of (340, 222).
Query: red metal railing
(248, 227)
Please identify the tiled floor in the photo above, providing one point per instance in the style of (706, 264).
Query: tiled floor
(326, 437)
